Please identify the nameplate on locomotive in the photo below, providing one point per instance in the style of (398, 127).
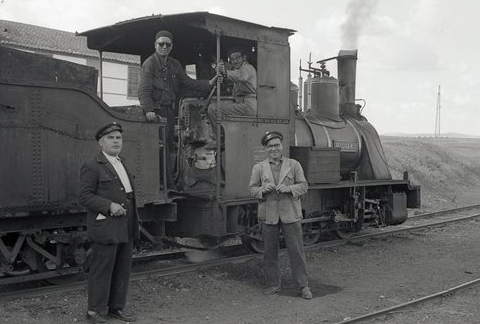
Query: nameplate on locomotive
(346, 146)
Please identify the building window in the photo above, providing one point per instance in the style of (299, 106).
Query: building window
(133, 77)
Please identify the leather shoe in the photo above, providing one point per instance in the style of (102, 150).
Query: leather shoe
(272, 290)
(306, 293)
(121, 315)
(94, 317)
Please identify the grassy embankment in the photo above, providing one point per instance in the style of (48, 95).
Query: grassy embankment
(448, 171)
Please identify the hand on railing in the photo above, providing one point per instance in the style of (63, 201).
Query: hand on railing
(153, 117)
(160, 119)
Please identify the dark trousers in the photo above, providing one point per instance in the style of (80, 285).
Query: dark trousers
(169, 113)
(109, 276)
(292, 233)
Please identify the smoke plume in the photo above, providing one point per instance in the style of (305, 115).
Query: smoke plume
(358, 15)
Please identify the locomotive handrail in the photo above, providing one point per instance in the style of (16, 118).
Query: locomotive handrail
(218, 130)
(257, 120)
(207, 101)
(361, 183)
(164, 159)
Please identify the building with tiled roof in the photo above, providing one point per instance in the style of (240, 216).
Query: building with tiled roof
(120, 71)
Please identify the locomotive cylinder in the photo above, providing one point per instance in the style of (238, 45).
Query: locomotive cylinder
(347, 67)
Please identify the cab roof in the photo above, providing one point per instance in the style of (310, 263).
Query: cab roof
(136, 36)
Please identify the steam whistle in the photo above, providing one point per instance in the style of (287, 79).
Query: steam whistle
(316, 72)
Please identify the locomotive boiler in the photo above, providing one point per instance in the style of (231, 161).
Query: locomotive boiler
(342, 154)
(49, 112)
(332, 119)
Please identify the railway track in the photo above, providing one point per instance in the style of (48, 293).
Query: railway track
(442, 212)
(440, 294)
(420, 221)
(414, 302)
(439, 218)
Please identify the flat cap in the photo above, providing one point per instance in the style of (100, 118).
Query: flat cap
(164, 33)
(237, 49)
(271, 135)
(107, 129)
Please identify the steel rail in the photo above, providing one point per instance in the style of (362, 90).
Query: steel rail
(412, 302)
(443, 211)
(389, 230)
(170, 271)
(212, 263)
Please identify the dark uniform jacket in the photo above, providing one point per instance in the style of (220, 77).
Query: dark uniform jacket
(99, 186)
(160, 83)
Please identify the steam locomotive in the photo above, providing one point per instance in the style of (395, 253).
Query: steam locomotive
(49, 112)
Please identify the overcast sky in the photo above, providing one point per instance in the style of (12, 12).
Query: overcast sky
(406, 48)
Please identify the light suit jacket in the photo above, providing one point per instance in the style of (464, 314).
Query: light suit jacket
(274, 206)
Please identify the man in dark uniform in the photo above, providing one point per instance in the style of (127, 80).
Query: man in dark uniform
(162, 80)
(107, 191)
(279, 182)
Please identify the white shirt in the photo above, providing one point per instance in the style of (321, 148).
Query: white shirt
(122, 173)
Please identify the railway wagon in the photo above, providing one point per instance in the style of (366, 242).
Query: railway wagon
(49, 112)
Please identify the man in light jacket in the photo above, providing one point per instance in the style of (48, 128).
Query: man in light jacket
(279, 182)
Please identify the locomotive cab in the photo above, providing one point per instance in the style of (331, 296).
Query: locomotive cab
(340, 151)
(211, 185)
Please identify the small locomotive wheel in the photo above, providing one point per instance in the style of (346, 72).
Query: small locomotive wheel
(342, 233)
(253, 245)
(311, 233)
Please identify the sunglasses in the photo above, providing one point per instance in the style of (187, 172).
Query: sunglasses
(167, 45)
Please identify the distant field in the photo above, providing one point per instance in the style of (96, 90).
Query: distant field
(469, 148)
(448, 170)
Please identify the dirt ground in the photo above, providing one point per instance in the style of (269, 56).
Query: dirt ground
(347, 282)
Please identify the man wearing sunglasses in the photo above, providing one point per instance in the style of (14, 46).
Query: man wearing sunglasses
(162, 79)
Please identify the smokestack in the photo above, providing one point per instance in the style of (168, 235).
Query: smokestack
(347, 71)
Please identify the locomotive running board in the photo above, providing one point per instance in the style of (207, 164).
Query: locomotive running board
(42, 275)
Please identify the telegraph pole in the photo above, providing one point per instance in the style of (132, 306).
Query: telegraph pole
(300, 88)
(437, 117)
